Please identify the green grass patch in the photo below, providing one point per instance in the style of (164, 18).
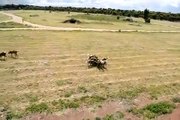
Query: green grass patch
(38, 108)
(86, 100)
(12, 25)
(91, 100)
(64, 104)
(154, 110)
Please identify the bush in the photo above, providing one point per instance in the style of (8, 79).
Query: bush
(38, 108)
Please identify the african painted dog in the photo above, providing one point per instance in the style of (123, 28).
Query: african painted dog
(13, 53)
(3, 56)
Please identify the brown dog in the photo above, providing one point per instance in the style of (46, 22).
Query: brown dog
(13, 53)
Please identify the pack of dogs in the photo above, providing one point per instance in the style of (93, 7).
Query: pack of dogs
(13, 54)
(93, 60)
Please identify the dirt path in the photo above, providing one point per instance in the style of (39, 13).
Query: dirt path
(20, 20)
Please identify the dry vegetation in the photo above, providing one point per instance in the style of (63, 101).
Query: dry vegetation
(91, 21)
(51, 73)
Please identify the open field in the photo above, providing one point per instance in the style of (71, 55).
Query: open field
(4, 18)
(90, 21)
(52, 66)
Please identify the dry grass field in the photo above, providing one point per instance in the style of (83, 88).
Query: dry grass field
(4, 17)
(52, 69)
(91, 21)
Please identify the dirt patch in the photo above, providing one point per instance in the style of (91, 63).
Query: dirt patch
(130, 116)
(142, 100)
(42, 117)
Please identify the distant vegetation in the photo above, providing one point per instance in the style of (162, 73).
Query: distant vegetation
(152, 14)
(146, 16)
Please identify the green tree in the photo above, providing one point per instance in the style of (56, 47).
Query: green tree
(146, 16)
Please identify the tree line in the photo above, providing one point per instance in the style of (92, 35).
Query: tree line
(174, 17)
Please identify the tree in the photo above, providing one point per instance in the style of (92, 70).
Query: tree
(146, 16)
(50, 9)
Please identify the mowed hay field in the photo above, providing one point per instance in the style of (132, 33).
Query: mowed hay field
(100, 21)
(52, 66)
